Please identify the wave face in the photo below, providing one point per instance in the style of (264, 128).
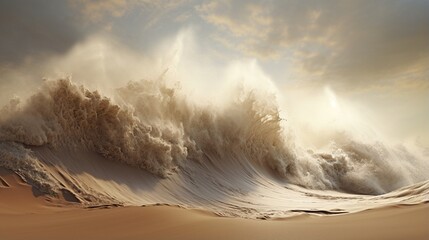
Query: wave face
(151, 144)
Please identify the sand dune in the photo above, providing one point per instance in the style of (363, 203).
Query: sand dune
(24, 215)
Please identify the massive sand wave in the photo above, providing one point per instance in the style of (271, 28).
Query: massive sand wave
(199, 152)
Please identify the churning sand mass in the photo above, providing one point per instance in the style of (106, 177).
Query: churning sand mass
(150, 144)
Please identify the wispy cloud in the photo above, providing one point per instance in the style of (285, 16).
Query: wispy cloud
(357, 39)
(100, 10)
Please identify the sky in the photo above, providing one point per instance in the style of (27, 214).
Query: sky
(366, 59)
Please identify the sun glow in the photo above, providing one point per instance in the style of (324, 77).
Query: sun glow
(331, 97)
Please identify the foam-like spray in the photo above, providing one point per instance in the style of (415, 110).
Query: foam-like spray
(155, 127)
(17, 158)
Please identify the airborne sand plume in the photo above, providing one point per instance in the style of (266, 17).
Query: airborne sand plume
(150, 143)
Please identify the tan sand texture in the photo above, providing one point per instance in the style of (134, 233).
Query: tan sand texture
(24, 216)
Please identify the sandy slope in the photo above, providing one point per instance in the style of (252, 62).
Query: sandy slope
(25, 216)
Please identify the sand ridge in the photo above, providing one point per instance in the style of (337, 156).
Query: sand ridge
(24, 215)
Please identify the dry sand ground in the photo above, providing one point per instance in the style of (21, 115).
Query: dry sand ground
(25, 216)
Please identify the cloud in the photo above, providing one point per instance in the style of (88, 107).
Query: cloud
(358, 41)
(100, 10)
(32, 28)
(353, 39)
(96, 10)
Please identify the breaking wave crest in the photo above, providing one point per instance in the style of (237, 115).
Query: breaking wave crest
(152, 126)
